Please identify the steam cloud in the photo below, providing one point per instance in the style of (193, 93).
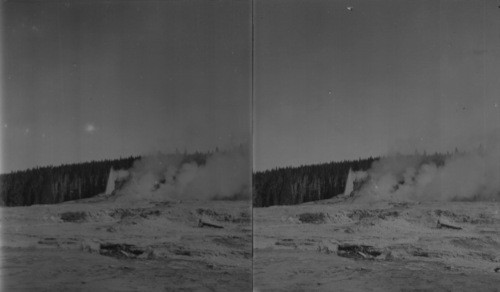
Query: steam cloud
(159, 177)
(460, 177)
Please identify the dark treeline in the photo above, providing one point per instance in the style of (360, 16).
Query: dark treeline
(56, 184)
(296, 185)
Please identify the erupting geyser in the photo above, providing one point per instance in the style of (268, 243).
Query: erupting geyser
(471, 176)
(110, 187)
(216, 175)
(349, 185)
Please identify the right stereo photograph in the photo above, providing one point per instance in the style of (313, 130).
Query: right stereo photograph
(376, 130)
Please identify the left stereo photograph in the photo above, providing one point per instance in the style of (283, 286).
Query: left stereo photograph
(126, 145)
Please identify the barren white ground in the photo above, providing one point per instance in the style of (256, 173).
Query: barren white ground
(41, 252)
(290, 255)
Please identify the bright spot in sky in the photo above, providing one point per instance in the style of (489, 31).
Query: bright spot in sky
(89, 128)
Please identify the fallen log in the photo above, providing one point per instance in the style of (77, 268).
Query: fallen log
(441, 225)
(120, 250)
(358, 251)
(127, 254)
(363, 255)
(206, 224)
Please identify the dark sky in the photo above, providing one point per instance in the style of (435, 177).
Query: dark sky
(333, 83)
(88, 80)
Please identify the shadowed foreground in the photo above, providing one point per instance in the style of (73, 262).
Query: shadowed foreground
(104, 246)
(334, 245)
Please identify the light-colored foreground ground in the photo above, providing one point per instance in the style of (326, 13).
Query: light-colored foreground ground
(415, 255)
(150, 247)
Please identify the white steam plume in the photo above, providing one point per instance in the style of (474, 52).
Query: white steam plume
(224, 175)
(462, 176)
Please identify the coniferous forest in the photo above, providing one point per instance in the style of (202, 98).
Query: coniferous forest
(296, 185)
(56, 184)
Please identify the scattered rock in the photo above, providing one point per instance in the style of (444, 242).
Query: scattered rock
(328, 247)
(288, 242)
(420, 253)
(134, 213)
(244, 217)
(386, 256)
(290, 220)
(91, 246)
(313, 218)
(122, 213)
(497, 269)
(150, 213)
(49, 241)
(148, 254)
(339, 218)
(76, 217)
(163, 204)
(233, 242)
(400, 204)
(111, 229)
(212, 214)
(480, 218)
(206, 224)
(183, 252)
(126, 268)
(348, 230)
(376, 213)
